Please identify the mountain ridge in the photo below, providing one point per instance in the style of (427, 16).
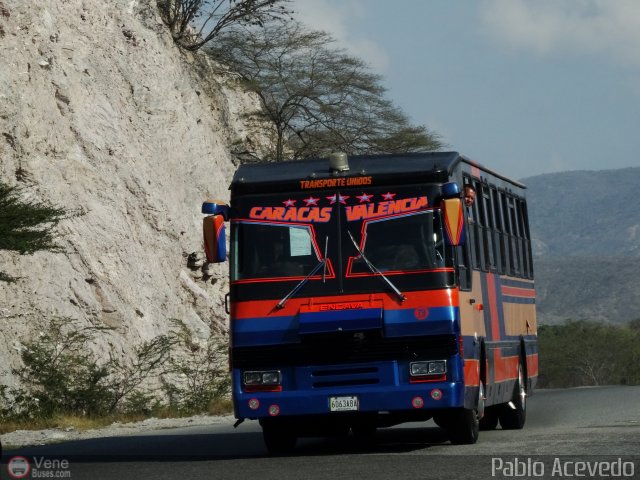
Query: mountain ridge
(585, 229)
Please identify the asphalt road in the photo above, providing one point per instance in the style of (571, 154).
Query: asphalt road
(599, 427)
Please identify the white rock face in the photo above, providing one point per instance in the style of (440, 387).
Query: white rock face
(100, 113)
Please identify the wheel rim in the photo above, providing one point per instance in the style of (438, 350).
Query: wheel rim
(480, 409)
(522, 389)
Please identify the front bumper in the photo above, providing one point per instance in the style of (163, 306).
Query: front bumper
(392, 393)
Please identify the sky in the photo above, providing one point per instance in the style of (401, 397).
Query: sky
(524, 87)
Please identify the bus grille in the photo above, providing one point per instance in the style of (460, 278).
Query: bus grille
(344, 349)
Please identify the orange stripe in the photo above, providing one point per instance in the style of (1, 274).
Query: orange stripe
(519, 292)
(266, 308)
(505, 368)
(475, 171)
(493, 306)
(532, 365)
(471, 372)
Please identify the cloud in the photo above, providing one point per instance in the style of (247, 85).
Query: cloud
(340, 18)
(609, 28)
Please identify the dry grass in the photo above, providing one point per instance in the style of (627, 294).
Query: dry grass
(80, 423)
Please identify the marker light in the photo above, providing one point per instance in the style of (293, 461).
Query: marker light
(254, 404)
(436, 394)
(417, 402)
(338, 161)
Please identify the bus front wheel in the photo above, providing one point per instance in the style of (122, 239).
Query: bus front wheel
(464, 428)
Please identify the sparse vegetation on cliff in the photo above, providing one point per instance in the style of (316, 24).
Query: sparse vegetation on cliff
(26, 226)
(62, 377)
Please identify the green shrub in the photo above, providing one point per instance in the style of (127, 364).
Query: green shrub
(200, 375)
(581, 353)
(62, 376)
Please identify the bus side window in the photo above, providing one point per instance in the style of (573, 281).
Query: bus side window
(516, 244)
(498, 232)
(476, 240)
(464, 266)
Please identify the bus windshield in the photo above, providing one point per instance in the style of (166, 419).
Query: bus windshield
(275, 251)
(395, 245)
(401, 244)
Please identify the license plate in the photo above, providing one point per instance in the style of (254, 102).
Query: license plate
(343, 404)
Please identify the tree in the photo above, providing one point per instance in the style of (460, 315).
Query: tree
(194, 23)
(316, 95)
(26, 226)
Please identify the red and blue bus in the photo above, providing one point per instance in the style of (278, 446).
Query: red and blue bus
(364, 293)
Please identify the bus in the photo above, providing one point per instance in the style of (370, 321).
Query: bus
(365, 292)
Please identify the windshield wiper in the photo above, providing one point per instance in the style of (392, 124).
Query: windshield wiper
(323, 263)
(375, 270)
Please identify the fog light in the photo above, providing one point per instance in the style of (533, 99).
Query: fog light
(254, 404)
(274, 410)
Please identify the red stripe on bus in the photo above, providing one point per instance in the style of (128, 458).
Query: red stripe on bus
(519, 292)
(266, 308)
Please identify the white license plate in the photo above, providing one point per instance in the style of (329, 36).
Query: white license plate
(343, 404)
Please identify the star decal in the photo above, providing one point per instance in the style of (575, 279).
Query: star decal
(333, 198)
(311, 201)
(388, 196)
(364, 197)
(289, 203)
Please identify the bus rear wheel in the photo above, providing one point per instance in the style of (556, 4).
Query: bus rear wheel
(513, 414)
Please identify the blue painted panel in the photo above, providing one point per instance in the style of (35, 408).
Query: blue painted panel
(341, 320)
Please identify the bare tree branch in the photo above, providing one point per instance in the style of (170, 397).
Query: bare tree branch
(316, 95)
(194, 23)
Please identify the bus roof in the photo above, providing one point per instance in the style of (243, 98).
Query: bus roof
(439, 166)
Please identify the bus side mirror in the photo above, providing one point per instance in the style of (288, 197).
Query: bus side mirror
(453, 221)
(215, 247)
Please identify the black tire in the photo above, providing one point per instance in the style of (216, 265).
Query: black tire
(465, 427)
(443, 420)
(278, 439)
(490, 419)
(514, 414)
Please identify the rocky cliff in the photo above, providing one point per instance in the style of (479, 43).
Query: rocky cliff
(101, 114)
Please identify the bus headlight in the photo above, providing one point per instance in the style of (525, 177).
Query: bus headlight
(432, 367)
(269, 377)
